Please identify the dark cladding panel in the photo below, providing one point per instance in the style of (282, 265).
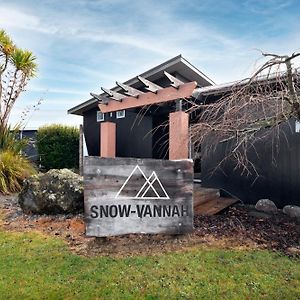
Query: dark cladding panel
(92, 132)
(134, 135)
(160, 140)
(278, 171)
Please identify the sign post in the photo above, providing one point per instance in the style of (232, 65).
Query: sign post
(129, 195)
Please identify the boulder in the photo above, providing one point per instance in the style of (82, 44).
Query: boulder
(266, 205)
(55, 192)
(292, 210)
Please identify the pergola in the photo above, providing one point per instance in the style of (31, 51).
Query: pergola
(132, 98)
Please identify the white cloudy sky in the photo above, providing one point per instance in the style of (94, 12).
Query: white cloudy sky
(81, 45)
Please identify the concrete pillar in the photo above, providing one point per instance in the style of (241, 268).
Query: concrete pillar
(108, 139)
(178, 135)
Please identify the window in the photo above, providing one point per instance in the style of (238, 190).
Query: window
(121, 114)
(100, 116)
(297, 127)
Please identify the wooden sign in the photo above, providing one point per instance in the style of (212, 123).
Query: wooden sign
(128, 195)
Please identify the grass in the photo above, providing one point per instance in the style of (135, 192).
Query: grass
(34, 266)
(14, 168)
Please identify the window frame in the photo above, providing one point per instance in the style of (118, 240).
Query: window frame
(102, 118)
(120, 114)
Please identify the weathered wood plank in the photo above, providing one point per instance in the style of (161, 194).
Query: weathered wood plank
(128, 90)
(127, 195)
(113, 95)
(175, 82)
(202, 195)
(214, 206)
(150, 86)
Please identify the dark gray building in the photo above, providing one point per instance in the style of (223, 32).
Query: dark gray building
(145, 132)
(141, 132)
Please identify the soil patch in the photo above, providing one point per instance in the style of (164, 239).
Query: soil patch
(240, 227)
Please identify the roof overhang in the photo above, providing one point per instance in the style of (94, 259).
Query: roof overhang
(223, 88)
(177, 66)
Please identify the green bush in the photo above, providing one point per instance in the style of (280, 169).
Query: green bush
(58, 146)
(14, 168)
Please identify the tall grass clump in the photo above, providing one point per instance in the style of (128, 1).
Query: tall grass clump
(9, 139)
(14, 167)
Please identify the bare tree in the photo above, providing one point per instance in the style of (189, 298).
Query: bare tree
(251, 109)
(17, 67)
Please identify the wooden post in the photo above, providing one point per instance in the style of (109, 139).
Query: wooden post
(81, 149)
(178, 135)
(108, 139)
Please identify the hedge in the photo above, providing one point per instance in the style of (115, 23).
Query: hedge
(58, 146)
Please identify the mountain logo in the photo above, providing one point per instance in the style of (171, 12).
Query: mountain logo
(139, 186)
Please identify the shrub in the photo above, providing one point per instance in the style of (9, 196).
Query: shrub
(14, 168)
(58, 146)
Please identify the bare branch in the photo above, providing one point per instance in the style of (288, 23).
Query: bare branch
(252, 110)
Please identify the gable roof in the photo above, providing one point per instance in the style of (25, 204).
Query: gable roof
(177, 65)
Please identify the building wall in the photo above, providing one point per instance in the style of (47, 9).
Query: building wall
(91, 132)
(277, 163)
(160, 139)
(134, 136)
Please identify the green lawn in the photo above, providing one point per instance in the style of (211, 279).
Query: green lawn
(33, 266)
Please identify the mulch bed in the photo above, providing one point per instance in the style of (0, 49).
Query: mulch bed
(243, 223)
(240, 227)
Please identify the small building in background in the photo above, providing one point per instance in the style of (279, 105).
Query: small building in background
(30, 151)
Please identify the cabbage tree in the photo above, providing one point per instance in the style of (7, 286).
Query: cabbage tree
(17, 67)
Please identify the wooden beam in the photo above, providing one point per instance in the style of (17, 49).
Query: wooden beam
(100, 99)
(150, 86)
(163, 95)
(174, 81)
(128, 90)
(97, 97)
(113, 95)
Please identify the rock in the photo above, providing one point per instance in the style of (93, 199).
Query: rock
(292, 210)
(266, 205)
(57, 191)
(295, 251)
(259, 214)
